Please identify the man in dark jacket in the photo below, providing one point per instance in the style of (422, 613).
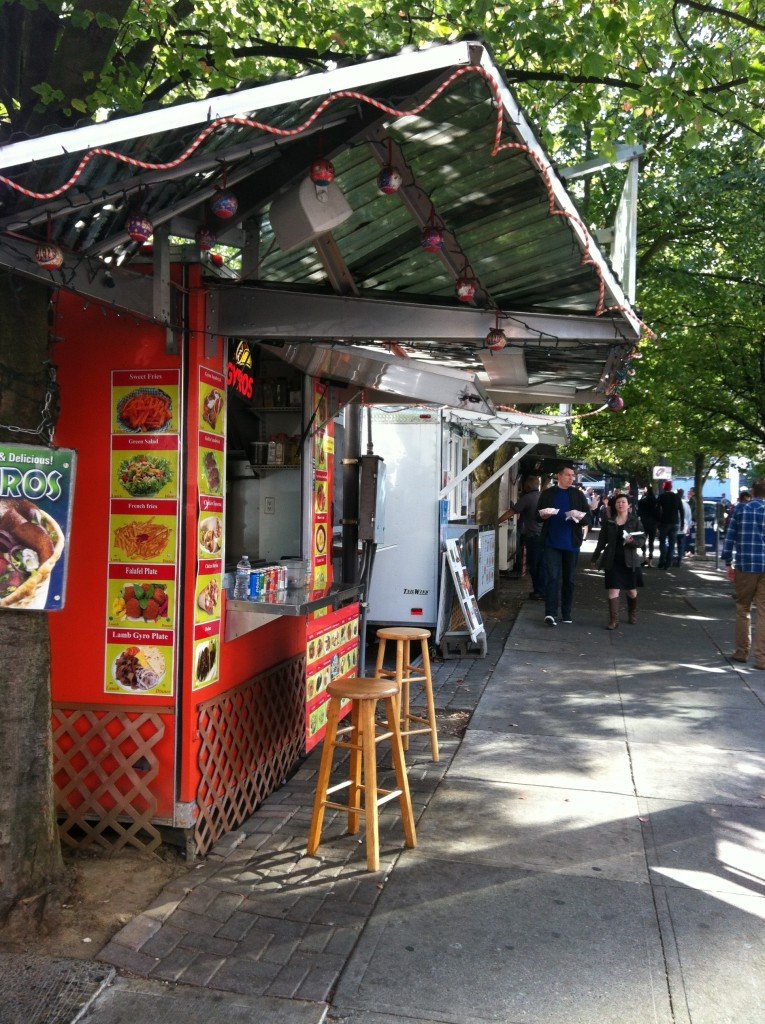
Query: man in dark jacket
(563, 511)
(671, 519)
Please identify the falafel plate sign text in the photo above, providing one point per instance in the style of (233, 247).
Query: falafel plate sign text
(36, 487)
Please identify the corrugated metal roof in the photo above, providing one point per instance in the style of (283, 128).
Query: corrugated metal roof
(494, 210)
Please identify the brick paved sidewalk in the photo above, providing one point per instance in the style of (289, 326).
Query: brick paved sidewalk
(259, 916)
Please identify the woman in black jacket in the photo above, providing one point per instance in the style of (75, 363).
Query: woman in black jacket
(617, 550)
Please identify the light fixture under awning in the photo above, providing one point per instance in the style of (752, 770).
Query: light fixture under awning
(406, 380)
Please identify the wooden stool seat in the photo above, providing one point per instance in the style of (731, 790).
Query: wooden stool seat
(362, 689)
(361, 742)
(404, 674)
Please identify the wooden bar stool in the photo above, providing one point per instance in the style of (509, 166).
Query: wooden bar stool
(362, 738)
(402, 674)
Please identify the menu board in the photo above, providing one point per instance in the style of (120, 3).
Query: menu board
(141, 607)
(332, 652)
(211, 422)
(323, 447)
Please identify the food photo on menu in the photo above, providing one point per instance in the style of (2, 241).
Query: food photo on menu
(142, 538)
(138, 669)
(206, 661)
(210, 535)
(210, 475)
(140, 601)
(208, 596)
(31, 543)
(212, 407)
(145, 476)
(145, 411)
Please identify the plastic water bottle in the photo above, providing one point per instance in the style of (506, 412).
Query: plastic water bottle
(242, 579)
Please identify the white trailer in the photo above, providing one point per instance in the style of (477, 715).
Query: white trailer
(430, 497)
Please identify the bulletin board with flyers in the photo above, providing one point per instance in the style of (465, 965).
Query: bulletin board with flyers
(332, 652)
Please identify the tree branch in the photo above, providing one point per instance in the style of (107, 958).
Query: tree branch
(723, 13)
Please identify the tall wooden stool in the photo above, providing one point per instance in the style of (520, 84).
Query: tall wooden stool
(362, 738)
(402, 674)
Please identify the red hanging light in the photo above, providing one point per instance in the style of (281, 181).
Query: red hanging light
(322, 171)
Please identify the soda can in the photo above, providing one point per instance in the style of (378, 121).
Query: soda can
(253, 583)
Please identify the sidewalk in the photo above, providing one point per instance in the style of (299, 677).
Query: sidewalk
(591, 851)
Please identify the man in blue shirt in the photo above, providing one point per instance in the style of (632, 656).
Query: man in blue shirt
(564, 513)
(746, 533)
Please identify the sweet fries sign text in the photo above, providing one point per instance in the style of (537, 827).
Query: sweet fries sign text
(36, 489)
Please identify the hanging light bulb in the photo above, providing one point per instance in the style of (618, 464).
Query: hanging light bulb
(465, 285)
(224, 204)
(205, 238)
(48, 256)
(432, 239)
(496, 339)
(139, 227)
(389, 180)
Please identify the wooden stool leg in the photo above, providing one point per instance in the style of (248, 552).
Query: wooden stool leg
(402, 678)
(322, 781)
(399, 765)
(380, 657)
(354, 793)
(370, 782)
(430, 700)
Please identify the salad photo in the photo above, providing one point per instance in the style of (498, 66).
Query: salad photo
(144, 475)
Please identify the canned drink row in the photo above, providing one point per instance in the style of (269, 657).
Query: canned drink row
(268, 580)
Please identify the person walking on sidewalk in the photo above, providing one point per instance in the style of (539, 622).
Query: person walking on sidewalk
(526, 510)
(620, 538)
(671, 519)
(648, 511)
(563, 511)
(746, 533)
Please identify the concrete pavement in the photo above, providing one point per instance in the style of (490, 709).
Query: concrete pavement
(591, 851)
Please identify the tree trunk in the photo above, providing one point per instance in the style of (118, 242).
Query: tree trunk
(31, 866)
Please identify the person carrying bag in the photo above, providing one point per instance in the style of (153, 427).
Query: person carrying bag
(617, 552)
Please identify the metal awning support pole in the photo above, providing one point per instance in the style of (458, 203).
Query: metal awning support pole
(531, 442)
(350, 521)
(508, 434)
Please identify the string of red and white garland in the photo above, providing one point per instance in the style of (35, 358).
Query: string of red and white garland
(246, 122)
